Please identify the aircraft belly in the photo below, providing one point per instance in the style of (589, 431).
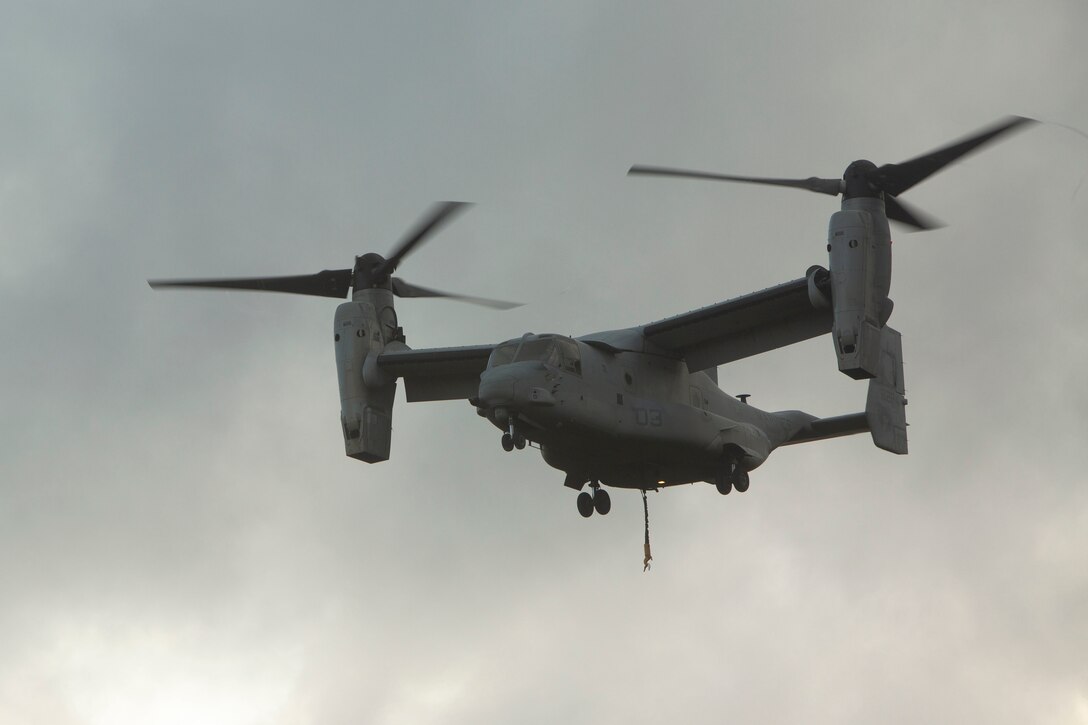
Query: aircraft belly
(636, 446)
(625, 441)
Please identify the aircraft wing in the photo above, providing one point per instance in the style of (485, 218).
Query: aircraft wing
(438, 373)
(744, 326)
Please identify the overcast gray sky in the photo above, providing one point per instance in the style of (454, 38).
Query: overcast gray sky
(181, 537)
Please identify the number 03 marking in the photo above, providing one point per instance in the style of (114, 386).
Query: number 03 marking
(645, 416)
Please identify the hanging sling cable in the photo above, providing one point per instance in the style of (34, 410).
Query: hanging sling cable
(646, 557)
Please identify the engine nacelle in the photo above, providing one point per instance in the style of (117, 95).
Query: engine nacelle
(366, 410)
(859, 244)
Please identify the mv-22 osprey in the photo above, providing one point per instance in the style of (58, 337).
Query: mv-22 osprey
(640, 407)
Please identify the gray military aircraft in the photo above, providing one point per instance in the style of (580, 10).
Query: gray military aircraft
(640, 407)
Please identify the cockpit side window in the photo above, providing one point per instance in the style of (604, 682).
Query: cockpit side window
(570, 358)
(503, 354)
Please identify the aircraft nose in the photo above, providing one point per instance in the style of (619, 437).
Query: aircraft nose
(516, 385)
(497, 388)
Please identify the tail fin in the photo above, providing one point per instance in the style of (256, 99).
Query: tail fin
(712, 373)
(885, 416)
(885, 406)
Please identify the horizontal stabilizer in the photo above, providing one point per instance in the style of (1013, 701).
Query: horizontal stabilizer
(885, 414)
(817, 429)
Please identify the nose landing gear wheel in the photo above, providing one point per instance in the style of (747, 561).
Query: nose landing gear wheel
(512, 438)
(724, 486)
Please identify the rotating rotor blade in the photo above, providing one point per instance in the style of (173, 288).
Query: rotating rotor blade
(406, 289)
(432, 222)
(894, 179)
(327, 283)
(832, 187)
(904, 213)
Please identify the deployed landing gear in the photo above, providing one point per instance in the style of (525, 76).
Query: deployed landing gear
(602, 502)
(731, 476)
(512, 439)
(595, 500)
(741, 481)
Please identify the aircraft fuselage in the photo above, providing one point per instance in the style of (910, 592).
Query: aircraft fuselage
(625, 417)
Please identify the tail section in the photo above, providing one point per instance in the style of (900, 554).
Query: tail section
(885, 407)
(885, 414)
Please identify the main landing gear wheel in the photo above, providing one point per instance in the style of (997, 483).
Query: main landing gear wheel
(731, 476)
(602, 502)
(507, 442)
(740, 480)
(594, 500)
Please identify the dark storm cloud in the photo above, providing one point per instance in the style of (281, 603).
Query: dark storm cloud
(181, 533)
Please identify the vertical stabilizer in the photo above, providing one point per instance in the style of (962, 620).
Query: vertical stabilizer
(885, 407)
(712, 373)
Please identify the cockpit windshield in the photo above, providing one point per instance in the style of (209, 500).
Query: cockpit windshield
(557, 352)
(544, 350)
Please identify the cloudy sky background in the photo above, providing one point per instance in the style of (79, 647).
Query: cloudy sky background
(181, 537)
